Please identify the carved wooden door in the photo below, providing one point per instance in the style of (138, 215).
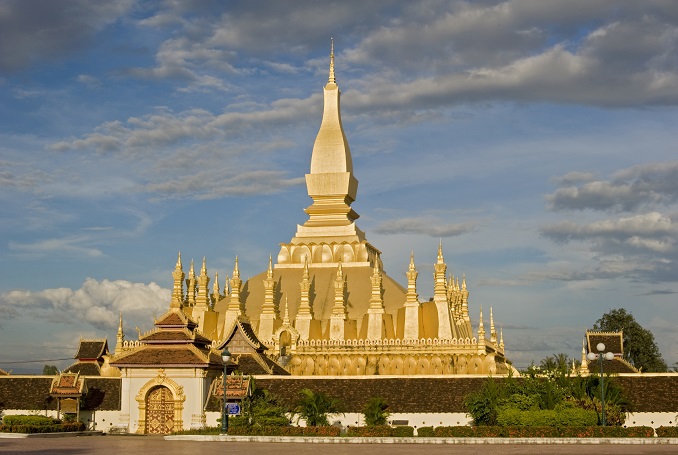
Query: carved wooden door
(159, 411)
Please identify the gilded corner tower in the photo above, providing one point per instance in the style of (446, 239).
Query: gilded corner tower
(327, 306)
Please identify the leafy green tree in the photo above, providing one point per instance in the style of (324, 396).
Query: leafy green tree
(315, 407)
(557, 363)
(539, 392)
(483, 405)
(376, 412)
(640, 348)
(262, 408)
(50, 370)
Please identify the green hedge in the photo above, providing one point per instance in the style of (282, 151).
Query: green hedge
(567, 417)
(667, 432)
(381, 431)
(284, 431)
(425, 432)
(29, 420)
(57, 428)
(541, 432)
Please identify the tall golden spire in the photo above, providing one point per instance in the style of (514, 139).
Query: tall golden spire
(120, 339)
(305, 288)
(331, 183)
(445, 327)
(216, 296)
(235, 304)
(411, 326)
(178, 290)
(481, 332)
(191, 285)
(333, 188)
(203, 300)
(269, 290)
(304, 316)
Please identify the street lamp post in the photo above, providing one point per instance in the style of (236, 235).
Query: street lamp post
(226, 357)
(600, 356)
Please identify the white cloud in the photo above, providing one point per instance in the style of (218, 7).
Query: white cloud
(427, 226)
(645, 185)
(71, 247)
(97, 303)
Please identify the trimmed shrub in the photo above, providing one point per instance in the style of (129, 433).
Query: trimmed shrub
(285, 431)
(562, 417)
(203, 430)
(403, 431)
(543, 432)
(667, 432)
(383, 431)
(425, 432)
(467, 432)
(55, 428)
(29, 420)
(370, 431)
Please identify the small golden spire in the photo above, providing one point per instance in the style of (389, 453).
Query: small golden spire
(286, 314)
(215, 288)
(236, 269)
(481, 326)
(332, 79)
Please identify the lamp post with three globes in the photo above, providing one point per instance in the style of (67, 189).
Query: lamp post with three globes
(600, 356)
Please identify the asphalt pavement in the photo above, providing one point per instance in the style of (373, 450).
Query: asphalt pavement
(152, 445)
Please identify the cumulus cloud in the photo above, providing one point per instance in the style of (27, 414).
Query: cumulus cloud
(97, 303)
(164, 127)
(426, 226)
(639, 186)
(640, 246)
(434, 54)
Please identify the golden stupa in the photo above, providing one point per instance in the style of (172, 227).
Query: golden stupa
(326, 306)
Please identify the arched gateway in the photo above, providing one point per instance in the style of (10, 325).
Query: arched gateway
(159, 411)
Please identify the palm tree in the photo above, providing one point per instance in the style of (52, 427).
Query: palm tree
(315, 407)
(375, 412)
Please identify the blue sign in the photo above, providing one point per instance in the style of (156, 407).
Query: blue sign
(233, 409)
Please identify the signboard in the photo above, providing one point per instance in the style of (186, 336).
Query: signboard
(69, 405)
(233, 409)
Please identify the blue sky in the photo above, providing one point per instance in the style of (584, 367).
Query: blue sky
(536, 139)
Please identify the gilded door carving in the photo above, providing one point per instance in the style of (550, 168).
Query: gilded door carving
(159, 411)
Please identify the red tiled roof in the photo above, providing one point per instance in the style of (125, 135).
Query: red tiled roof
(167, 335)
(91, 349)
(168, 355)
(67, 384)
(88, 368)
(175, 319)
(612, 341)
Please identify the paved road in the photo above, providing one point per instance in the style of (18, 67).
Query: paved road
(152, 445)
